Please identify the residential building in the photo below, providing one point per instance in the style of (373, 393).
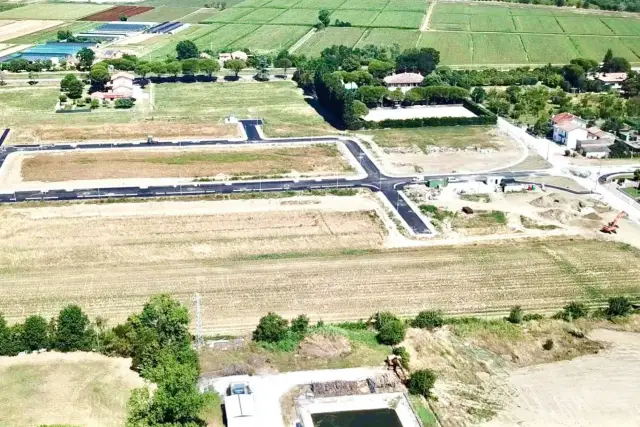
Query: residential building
(569, 132)
(238, 54)
(120, 86)
(612, 80)
(595, 148)
(403, 81)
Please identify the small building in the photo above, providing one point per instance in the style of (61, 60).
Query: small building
(111, 54)
(612, 80)
(240, 410)
(569, 132)
(595, 151)
(601, 135)
(120, 86)
(403, 81)
(238, 54)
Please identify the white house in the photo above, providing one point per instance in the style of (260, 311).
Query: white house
(403, 81)
(120, 86)
(569, 133)
(612, 80)
(238, 54)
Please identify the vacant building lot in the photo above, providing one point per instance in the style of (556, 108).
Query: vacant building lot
(322, 257)
(316, 160)
(443, 150)
(29, 112)
(65, 388)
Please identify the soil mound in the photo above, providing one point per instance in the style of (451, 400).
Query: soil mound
(558, 215)
(325, 347)
(549, 201)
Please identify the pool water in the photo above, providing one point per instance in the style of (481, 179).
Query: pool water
(370, 418)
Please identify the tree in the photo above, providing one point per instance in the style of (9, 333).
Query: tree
(158, 68)
(283, 63)
(478, 95)
(560, 3)
(636, 175)
(395, 95)
(123, 17)
(300, 324)
(209, 66)
(515, 315)
(324, 17)
(359, 109)
(423, 60)
(66, 81)
(236, 65)
(380, 69)
(619, 306)
(35, 334)
(421, 382)
(616, 65)
(124, 103)
(271, 328)
(7, 345)
(405, 357)
(542, 126)
(371, 95)
(350, 63)
(428, 319)
(64, 35)
(186, 49)
(174, 68)
(189, 66)
(143, 69)
(99, 75)
(585, 63)
(392, 332)
(631, 86)
(85, 58)
(75, 89)
(72, 330)
(575, 310)
(177, 399)
(574, 75)
(607, 56)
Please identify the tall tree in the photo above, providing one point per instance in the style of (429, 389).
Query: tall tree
(189, 66)
(73, 330)
(158, 68)
(66, 81)
(174, 68)
(35, 333)
(85, 58)
(75, 89)
(236, 65)
(99, 75)
(186, 49)
(324, 16)
(209, 66)
(607, 56)
(423, 60)
(283, 63)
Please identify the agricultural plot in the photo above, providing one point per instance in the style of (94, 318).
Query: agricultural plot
(498, 49)
(200, 16)
(455, 48)
(406, 39)
(450, 21)
(282, 4)
(407, 5)
(272, 37)
(364, 4)
(588, 25)
(398, 19)
(224, 36)
(622, 27)
(633, 43)
(50, 34)
(537, 24)
(230, 15)
(115, 13)
(14, 29)
(260, 16)
(253, 3)
(163, 13)
(298, 17)
(492, 23)
(313, 4)
(166, 45)
(331, 36)
(359, 18)
(58, 11)
(596, 47)
(537, 47)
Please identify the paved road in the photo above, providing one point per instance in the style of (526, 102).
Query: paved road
(375, 179)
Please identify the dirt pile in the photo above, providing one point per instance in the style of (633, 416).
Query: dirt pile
(325, 347)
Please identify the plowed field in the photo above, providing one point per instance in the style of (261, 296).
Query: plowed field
(113, 14)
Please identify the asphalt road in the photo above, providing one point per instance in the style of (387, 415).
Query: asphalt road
(375, 179)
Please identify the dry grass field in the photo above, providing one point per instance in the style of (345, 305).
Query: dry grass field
(319, 260)
(320, 159)
(72, 389)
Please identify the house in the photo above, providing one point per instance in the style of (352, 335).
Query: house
(403, 81)
(120, 86)
(111, 54)
(238, 54)
(595, 132)
(569, 132)
(595, 151)
(612, 80)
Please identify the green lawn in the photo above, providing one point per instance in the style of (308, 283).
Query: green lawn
(230, 15)
(633, 192)
(201, 16)
(622, 26)
(450, 21)
(61, 11)
(253, 3)
(329, 37)
(596, 47)
(282, 4)
(313, 4)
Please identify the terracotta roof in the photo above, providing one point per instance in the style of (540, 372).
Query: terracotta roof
(122, 74)
(404, 78)
(568, 126)
(563, 117)
(611, 77)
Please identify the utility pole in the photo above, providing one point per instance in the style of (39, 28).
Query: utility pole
(199, 332)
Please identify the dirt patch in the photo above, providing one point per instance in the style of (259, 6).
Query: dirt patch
(230, 162)
(114, 13)
(325, 346)
(77, 388)
(20, 28)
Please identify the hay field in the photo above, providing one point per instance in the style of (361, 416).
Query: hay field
(317, 160)
(62, 11)
(322, 262)
(78, 388)
(18, 29)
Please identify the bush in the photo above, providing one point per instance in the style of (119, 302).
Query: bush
(382, 317)
(63, 98)
(428, 319)
(515, 315)
(548, 344)
(95, 103)
(619, 306)
(392, 332)
(574, 310)
(124, 103)
(532, 316)
(300, 324)
(88, 100)
(271, 328)
(421, 382)
(405, 357)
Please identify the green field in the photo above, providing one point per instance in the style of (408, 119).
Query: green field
(492, 23)
(455, 48)
(163, 13)
(498, 49)
(537, 24)
(356, 17)
(283, 4)
(230, 15)
(622, 27)
(61, 11)
(398, 19)
(406, 39)
(596, 47)
(329, 37)
(537, 47)
(224, 36)
(50, 34)
(589, 25)
(272, 37)
(364, 4)
(253, 3)
(166, 44)
(200, 16)
(407, 5)
(313, 4)
(260, 16)
(298, 17)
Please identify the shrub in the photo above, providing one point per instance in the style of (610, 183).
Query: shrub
(271, 328)
(405, 357)
(532, 316)
(548, 344)
(382, 317)
(574, 310)
(88, 100)
(95, 103)
(428, 319)
(619, 306)
(421, 382)
(63, 98)
(124, 103)
(515, 315)
(300, 324)
(392, 332)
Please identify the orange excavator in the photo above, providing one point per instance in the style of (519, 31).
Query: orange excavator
(612, 227)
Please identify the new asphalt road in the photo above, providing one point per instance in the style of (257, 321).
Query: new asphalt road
(375, 180)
